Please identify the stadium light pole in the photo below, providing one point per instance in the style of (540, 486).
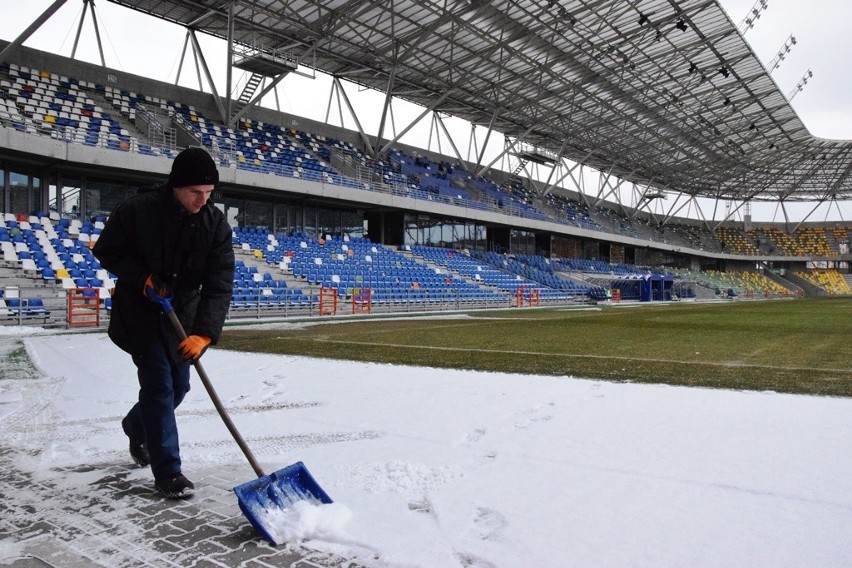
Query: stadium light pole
(800, 85)
(782, 53)
(753, 15)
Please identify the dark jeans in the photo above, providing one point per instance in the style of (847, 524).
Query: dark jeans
(162, 386)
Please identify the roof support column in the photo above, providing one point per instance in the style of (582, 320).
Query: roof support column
(738, 207)
(639, 204)
(471, 141)
(715, 210)
(806, 217)
(388, 96)
(203, 63)
(487, 137)
(569, 172)
(602, 182)
(672, 212)
(331, 93)
(729, 215)
(256, 100)
(180, 63)
(505, 151)
(405, 130)
(580, 181)
(786, 216)
(229, 71)
(616, 191)
(548, 186)
(701, 214)
(440, 122)
(836, 206)
(361, 132)
(89, 4)
(619, 198)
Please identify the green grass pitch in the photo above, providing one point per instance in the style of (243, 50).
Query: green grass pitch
(792, 346)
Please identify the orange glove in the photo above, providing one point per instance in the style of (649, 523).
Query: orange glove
(194, 346)
(155, 288)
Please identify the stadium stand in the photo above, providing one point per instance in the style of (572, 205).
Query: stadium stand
(749, 284)
(829, 280)
(66, 108)
(350, 265)
(52, 251)
(417, 277)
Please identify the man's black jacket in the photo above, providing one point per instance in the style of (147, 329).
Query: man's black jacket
(151, 233)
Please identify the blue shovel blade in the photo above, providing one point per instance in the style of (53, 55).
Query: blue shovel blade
(264, 499)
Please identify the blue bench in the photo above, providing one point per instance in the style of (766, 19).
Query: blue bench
(32, 308)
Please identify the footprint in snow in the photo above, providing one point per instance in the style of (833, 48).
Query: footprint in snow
(487, 524)
(474, 436)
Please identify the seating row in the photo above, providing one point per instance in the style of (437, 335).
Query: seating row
(23, 308)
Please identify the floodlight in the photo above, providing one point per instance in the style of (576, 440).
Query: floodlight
(752, 16)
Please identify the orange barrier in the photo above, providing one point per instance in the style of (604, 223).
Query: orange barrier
(519, 297)
(328, 301)
(362, 301)
(84, 307)
(535, 297)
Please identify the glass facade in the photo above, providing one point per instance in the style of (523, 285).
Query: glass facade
(19, 194)
(339, 222)
(71, 202)
(233, 210)
(521, 242)
(447, 233)
(257, 213)
(101, 197)
(309, 221)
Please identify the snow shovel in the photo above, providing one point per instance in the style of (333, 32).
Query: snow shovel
(264, 499)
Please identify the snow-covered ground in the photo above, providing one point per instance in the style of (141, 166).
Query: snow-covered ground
(438, 468)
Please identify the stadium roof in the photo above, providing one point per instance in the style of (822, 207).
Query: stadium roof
(661, 93)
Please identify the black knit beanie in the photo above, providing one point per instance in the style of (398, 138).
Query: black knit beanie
(193, 166)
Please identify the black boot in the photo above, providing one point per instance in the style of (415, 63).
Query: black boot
(176, 487)
(138, 451)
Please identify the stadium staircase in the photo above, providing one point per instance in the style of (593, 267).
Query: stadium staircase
(796, 282)
(439, 268)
